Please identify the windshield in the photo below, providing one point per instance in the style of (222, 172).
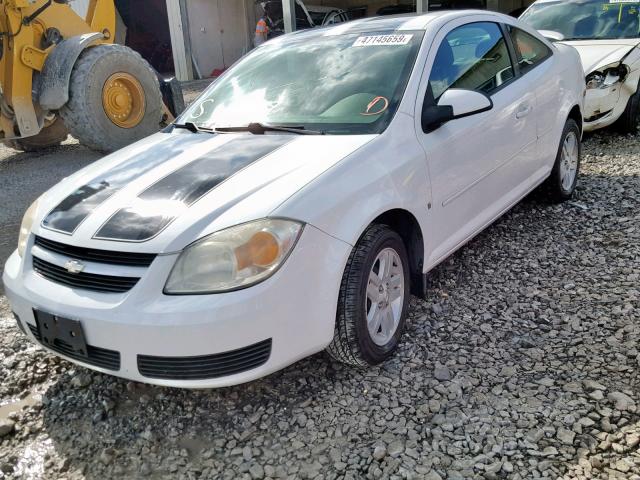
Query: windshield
(586, 19)
(340, 84)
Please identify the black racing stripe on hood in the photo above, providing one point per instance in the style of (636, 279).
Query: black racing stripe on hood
(73, 210)
(182, 188)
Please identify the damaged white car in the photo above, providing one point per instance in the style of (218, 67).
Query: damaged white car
(606, 33)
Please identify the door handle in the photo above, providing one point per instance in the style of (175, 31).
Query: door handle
(524, 111)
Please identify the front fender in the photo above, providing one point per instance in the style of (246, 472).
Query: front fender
(52, 84)
(388, 173)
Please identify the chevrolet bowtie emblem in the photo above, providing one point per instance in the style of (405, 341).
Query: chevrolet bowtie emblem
(74, 266)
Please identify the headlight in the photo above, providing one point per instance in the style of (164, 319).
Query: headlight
(607, 77)
(595, 80)
(234, 258)
(25, 228)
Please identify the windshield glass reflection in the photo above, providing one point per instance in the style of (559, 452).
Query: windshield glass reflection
(336, 84)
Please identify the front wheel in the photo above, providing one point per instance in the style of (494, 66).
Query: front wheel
(374, 299)
(564, 176)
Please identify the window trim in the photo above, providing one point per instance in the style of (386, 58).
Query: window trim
(521, 72)
(512, 49)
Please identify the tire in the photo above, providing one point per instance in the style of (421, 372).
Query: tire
(85, 113)
(554, 188)
(629, 121)
(49, 136)
(353, 343)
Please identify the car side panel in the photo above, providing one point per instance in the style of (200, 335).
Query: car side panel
(560, 85)
(562, 89)
(480, 162)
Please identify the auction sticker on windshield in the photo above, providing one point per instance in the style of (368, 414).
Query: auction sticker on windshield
(378, 40)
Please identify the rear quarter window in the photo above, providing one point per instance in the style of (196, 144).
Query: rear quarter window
(530, 52)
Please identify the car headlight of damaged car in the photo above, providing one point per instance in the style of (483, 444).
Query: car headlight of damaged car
(25, 228)
(234, 258)
(606, 78)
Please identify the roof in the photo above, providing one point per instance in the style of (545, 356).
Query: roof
(391, 23)
(404, 22)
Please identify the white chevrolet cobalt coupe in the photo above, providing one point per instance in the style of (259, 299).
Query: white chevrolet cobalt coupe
(297, 204)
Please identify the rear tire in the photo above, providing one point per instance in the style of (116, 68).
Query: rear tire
(378, 267)
(114, 98)
(49, 136)
(562, 182)
(630, 119)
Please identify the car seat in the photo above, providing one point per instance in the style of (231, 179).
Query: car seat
(444, 68)
(485, 47)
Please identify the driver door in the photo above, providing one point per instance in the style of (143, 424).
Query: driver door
(479, 163)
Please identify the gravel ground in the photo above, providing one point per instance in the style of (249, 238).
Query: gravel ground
(522, 363)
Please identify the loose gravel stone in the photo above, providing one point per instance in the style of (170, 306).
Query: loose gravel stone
(566, 436)
(442, 373)
(522, 363)
(6, 427)
(379, 452)
(621, 401)
(81, 380)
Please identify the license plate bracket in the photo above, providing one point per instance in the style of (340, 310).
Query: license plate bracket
(54, 329)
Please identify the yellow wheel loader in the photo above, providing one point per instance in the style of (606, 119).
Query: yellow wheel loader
(61, 73)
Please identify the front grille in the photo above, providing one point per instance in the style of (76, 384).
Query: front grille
(99, 256)
(87, 281)
(99, 357)
(205, 366)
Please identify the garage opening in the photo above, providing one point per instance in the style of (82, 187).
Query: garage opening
(147, 32)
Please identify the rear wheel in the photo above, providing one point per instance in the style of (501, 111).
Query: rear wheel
(630, 119)
(50, 136)
(114, 98)
(374, 299)
(564, 176)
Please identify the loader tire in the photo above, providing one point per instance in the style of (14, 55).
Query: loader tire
(49, 136)
(114, 98)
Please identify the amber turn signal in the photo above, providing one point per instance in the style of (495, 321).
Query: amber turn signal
(261, 250)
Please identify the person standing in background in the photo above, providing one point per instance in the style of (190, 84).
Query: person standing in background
(263, 26)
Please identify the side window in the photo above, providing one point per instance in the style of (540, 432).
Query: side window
(529, 50)
(473, 57)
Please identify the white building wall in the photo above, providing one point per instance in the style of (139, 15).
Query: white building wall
(219, 31)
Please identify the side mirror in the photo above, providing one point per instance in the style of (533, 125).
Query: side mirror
(552, 36)
(453, 104)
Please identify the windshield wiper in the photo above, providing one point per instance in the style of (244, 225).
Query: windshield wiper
(192, 127)
(261, 128)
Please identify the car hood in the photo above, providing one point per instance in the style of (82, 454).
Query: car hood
(172, 188)
(596, 54)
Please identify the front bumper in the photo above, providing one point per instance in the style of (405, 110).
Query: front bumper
(601, 106)
(605, 106)
(295, 309)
